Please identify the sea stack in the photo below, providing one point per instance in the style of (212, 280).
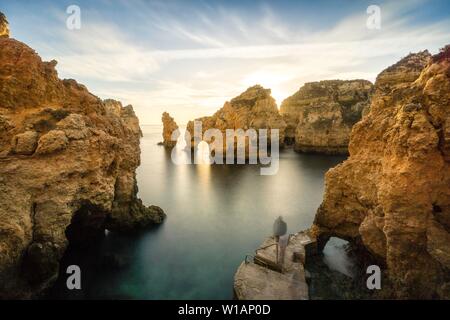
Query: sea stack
(392, 195)
(253, 109)
(169, 127)
(320, 116)
(67, 169)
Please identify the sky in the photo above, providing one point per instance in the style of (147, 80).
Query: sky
(188, 57)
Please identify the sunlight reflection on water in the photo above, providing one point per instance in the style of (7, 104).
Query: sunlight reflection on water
(216, 214)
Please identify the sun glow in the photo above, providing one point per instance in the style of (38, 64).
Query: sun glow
(269, 80)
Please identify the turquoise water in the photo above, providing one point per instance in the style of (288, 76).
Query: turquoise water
(216, 214)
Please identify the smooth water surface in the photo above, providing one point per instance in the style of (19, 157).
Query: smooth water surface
(216, 214)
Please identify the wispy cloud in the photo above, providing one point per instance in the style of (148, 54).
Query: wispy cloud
(190, 60)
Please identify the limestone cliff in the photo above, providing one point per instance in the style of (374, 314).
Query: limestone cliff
(393, 193)
(253, 109)
(4, 28)
(67, 169)
(169, 126)
(320, 116)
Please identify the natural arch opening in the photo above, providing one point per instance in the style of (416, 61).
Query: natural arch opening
(336, 256)
(339, 271)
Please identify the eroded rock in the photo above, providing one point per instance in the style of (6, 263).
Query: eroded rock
(265, 279)
(169, 127)
(253, 109)
(80, 180)
(74, 127)
(25, 143)
(53, 141)
(4, 27)
(320, 116)
(392, 195)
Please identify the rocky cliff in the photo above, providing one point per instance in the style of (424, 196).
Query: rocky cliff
(67, 169)
(169, 126)
(4, 28)
(253, 109)
(320, 116)
(392, 195)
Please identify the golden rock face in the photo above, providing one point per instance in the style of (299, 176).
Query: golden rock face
(253, 109)
(169, 126)
(66, 156)
(393, 193)
(320, 116)
(4, 27)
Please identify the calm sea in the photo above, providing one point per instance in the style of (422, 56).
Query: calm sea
(216, 214)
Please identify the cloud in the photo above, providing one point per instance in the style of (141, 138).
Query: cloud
(98, 51)
(191, 62)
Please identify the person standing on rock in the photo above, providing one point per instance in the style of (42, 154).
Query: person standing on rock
(283, 243)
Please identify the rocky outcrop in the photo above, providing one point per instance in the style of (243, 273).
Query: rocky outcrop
(271, 275)
(253, 109)
(4, 28)
(392, 195)
(320, 116)
(169, 126)
(67, 169)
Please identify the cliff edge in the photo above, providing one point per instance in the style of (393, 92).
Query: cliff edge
(392, 195)
(320, 116)
(4, 27)
(67, 169)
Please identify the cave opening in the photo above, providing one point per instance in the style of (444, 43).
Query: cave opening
(289, 141)
(85, 236)
(442, 215)
(87, 226)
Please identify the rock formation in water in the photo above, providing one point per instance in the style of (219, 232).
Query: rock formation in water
(169, 126)
(67, 169)
(4, 28)
(392, 195)
(320, 116)
(253, 109)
